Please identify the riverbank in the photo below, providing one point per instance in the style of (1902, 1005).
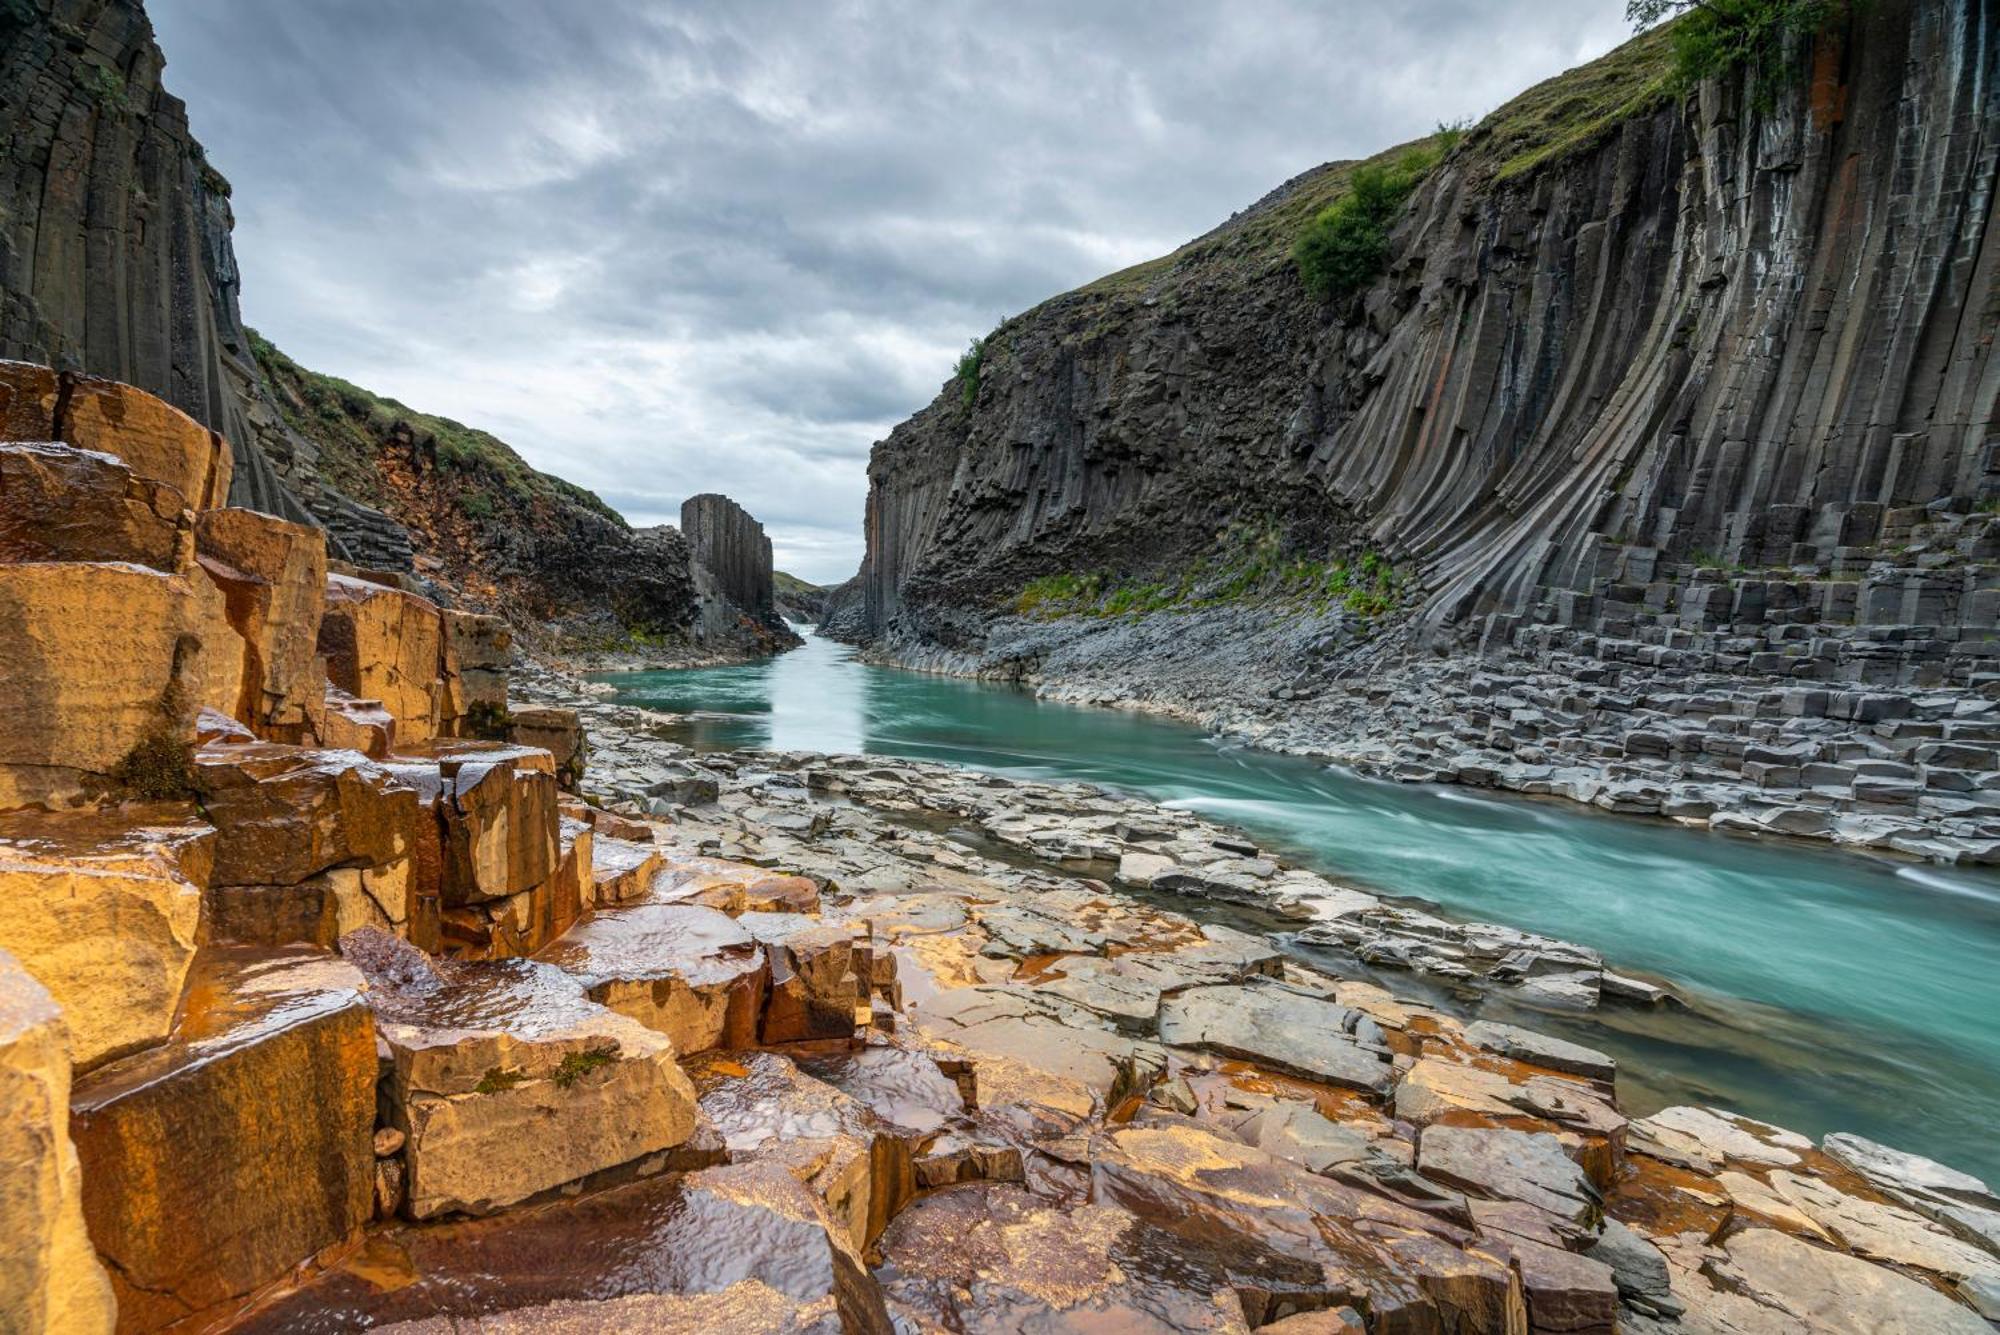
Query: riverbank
(1032, 931)
(1911, 772)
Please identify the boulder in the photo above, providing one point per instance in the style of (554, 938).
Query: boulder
(273, 575)
(814, 990)
(220, 1160)
(387, 645)
(154, 438)
(1278, 1027)
(158, 647)
(686, 971)
(557, 731)
(508, 1081)
(496, 807)
(105, 908)
(59, 503)
(353, 724)
(50, 1278)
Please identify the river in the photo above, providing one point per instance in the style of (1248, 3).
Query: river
(1831, 991)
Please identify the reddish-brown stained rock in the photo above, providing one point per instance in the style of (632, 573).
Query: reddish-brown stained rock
(59, 503)
(27, 401)
(219, 1161)
(284, 813)
(814, 990)
(477, 648)
(557, 731)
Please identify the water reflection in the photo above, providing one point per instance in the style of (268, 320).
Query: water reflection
(1837, 992)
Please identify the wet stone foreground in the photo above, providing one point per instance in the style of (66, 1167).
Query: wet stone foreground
(433, 994)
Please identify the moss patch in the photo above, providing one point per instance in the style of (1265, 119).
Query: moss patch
(577, 1065)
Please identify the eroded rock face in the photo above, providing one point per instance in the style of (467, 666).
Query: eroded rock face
(154, 438)
(687, 971)
(476, 652)
(273, 575)
(386, 645)
(106, 908)
(159, 645)
(214, 1163)
(50, 1277)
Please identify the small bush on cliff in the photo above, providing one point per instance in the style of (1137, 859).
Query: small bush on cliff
(967, 371)
(1718, 37)
(1346, 247)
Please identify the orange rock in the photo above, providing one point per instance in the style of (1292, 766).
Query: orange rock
(814, 991)
(105, 907)
(156, 439)
(385, 644)
(159, 647)
(273, 574)
(357, 725)
(50, 1279)
(497, 809)
(221, 1160)
(557, 731)
(285, 813)
(59, 503)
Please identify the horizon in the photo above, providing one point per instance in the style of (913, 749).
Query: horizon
(682, 253)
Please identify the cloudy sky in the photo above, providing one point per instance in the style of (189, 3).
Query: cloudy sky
(663, 248)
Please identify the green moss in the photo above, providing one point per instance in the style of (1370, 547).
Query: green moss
(106, 86)
(497, 1079)
(577, 1065)
(1576, 109)
(1713, 38)
(160, 765)
(1247, 563)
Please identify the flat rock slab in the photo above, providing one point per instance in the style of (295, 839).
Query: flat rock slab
(105, 908)
(688, 972)
(743, 1247)
(1765, 1280)
(508, 1080)
(192, 1151)
(1531, 1167)
(991, 1260)
(1288, 1030)
(1707, 1138)
(1541, 1050)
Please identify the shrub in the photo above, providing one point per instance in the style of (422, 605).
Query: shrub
(1346, 247)
(1717, 37)
(967, 371)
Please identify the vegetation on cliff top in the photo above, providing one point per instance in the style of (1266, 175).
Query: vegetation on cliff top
(1346, 247)
(1717, 37)
(350, 425)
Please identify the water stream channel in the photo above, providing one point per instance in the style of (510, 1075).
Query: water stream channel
(1829, 990)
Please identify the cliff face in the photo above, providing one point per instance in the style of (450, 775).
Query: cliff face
(1618, 332)
(115, 258)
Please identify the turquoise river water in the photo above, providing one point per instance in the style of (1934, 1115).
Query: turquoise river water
(1830, 991)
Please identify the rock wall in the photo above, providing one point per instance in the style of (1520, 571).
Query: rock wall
(724, 537)
(1684, 332)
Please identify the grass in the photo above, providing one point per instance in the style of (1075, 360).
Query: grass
(160, 765)
(1346, 246)
(1576, 109)
(1713, 38)
(1247, 564)
(351, 424)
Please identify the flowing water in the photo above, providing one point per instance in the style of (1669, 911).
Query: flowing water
(1831, 991)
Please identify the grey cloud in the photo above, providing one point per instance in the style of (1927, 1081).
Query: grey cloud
(668, 248)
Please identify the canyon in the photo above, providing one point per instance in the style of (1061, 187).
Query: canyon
(1657, 470)
(366, 965)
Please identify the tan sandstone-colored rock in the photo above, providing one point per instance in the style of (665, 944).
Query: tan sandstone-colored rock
(156, 439)
(284, 813)
(273, 575)
(219, 1161)
(814, 990)
(159, 647)
(353, 724)
(50, 1278)
(557, 731)
(105, 908)
(477, 649)
(508, 1081)
(59, 503)
(385, 644)
(686, 971)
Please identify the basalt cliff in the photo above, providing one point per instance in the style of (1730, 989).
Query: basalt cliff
(115, 259)
(1657, 469)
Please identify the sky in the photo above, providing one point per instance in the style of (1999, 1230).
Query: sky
(666, 248)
